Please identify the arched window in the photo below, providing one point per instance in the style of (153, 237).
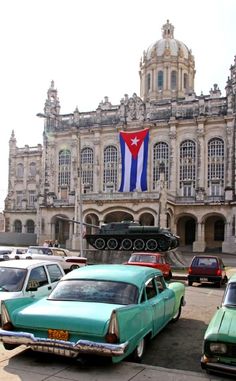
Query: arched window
(17, 226)
(32, 169)
(160, 80)
(216, 167)
(87, 163)
(30, 226)
(110, 169)
(160, 162)
(188, 168)
(173, 80)
(19, 170)
(64, 168)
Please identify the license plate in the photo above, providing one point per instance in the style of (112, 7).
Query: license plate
(203, 279)
(58, 334)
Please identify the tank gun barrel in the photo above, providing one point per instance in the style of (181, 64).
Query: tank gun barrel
(78, 222)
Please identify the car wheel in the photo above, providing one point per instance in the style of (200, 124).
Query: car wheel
(177, 314)
(74, 267)
(218, 284)
(190, 283)
(138, 353)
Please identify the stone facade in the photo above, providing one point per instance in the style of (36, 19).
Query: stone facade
(76, 172)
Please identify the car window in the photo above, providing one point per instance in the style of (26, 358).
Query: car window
(151, 291)
(38, 277)
(12, 279)
(54, 272)
(205, 262)
(160, 283)
(230, 295)
(59, 253)
(39, 250)
(98, 291)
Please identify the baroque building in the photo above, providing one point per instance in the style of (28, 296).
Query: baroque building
(76, 172)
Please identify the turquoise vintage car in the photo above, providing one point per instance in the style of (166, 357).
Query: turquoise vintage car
(105, 310)
(219, 349)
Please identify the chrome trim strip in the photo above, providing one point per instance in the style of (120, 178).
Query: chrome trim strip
(58, 346)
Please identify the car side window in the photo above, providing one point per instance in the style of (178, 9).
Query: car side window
(55, 272)
(160, 283)
(151, 291)
(37, 277)
(59, 253)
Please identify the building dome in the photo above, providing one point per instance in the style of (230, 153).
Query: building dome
(167, 69)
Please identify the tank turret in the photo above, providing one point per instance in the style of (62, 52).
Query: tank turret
(129, 235)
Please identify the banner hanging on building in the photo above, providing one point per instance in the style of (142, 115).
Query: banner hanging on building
(134, 156)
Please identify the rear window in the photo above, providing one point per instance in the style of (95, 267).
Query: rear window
(143, 258)
(205, 262)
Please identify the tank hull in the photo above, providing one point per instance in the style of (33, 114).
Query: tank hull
(127, 237)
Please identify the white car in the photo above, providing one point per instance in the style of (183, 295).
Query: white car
(28, 278)
(58, 254)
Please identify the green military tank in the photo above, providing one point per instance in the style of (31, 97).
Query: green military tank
(129, 235)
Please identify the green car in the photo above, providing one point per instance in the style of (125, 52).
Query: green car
(104, 310)
(219, 349)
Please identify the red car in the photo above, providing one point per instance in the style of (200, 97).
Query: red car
(207, 268)
(155, 260)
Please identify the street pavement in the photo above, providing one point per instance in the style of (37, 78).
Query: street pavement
(21, 365)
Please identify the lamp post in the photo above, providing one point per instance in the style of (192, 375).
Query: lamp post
(78, 193)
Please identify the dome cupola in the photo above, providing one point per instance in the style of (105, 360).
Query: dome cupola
(167, 68)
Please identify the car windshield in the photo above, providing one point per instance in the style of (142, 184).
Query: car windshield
(12, 279)
(97, 291)
(230, 295)
(143, 258)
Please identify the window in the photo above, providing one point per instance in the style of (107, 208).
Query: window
(187, 168)
(38, 277)
(216, 166)
(151, 291)
(19, 171)
(32, 195)
(160, 162)
(30, 226)
(160, 80)
(160, 283)
(32, 169)
(18, 226)
(185, 81)
(54, 273)
(110, 168)
(173, 80)
(64, 168)
(87, 164)
(148, 82)
(19, 198)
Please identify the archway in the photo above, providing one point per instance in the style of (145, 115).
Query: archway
(214, 232)
(186, 230)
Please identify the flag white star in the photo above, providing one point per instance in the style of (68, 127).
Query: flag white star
(134, 141)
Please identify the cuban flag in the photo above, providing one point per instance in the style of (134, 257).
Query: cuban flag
(134, 156)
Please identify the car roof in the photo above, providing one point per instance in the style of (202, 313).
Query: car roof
(112, 272)
(147, 253)
(25, 263)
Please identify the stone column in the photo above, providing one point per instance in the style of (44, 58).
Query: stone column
(199, 244)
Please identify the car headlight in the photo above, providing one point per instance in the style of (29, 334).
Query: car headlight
(219, 348)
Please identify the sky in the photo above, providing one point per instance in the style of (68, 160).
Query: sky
(92, 49)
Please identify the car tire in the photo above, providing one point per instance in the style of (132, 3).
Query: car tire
(74, 267)
(138, 353)
(190, 282)
(177, 315)
(218, 284)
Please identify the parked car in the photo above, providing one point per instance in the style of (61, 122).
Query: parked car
(104, 310)
(155, 260)
(219, 348)
(207, 268)
(28, 278)
(4, 254)
(67, 261)
(16, 252)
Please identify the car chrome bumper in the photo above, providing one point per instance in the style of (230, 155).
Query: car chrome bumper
(60, 347)
(218, 367)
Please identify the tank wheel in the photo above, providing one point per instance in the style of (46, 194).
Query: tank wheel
(99, 243)
(151, 244)
(163, 243)
(139, 244)
(112, 244)
(126, 244)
